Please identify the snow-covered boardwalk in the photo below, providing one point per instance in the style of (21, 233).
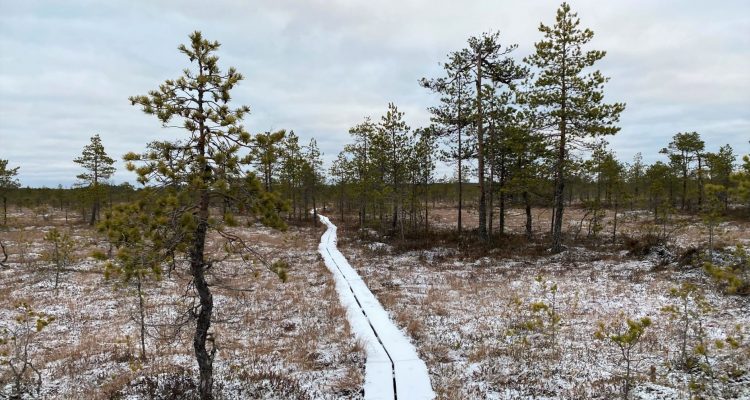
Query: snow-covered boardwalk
(393, 369)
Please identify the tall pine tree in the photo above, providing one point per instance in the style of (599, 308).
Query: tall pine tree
(452, 118)
(489, 61)
(569, 99)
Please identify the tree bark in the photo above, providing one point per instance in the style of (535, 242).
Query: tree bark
(560, 170)
(700, 182)
(491, 200)
(315, 211)
(684, 183)
(480, 153)
(501, 228)
(198, 267)
(614, 227)
(203, 320)
(526, 201)
(94, 210)
(460, 159)
(426, 211)
(142, 312)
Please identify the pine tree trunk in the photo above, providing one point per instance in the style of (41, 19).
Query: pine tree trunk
(315, 212)
(501, 228)
(203, 320)
(394, 222)
(480, 154)
(700, 183)
(198, 268)
(142, 312)
(491, 200)
(426, 215)
(560, 173)
(558, 216)
(552, 222)
(684, 188)
(527, 202)
(306, 205)
(460, 174)
(294, 200)
(5, 210)
(363, 206)
(341, 205)
(614, 227)
(501, 218)
(94, 211)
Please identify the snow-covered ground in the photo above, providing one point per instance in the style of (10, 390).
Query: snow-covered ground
(393, 369)
(481, 321)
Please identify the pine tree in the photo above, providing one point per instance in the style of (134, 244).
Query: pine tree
(7, 181)
(99, 167)
(526, 155)
(422, 168)
(489, 62)
(61, 251)
(612, 178)
(206, 164)
(452, 117)
(741, 180)
(341, 172)
(394, 144)
(658, 178)
(266, 151)
(290, 173)
(137, 230)
(635, 179)
(312, 176)
(684, 149)
(570, 100)
(503, 127)
(363, 168)
(720, 167)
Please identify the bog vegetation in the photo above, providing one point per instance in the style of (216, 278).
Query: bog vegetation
(534, 178)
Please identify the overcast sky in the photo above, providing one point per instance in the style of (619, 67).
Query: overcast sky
(318, 67)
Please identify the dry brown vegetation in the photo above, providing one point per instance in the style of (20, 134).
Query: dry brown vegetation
(480, 318)
(289, 340)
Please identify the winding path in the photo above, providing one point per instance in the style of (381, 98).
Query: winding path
(393, 369)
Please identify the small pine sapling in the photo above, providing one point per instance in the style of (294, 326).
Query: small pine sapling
(739, 351)
(625, 335)
(538, 317)
(734, 277)
(16, 348)
(688, 310)
(60, 253)
(136, 231)
(546, 309)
